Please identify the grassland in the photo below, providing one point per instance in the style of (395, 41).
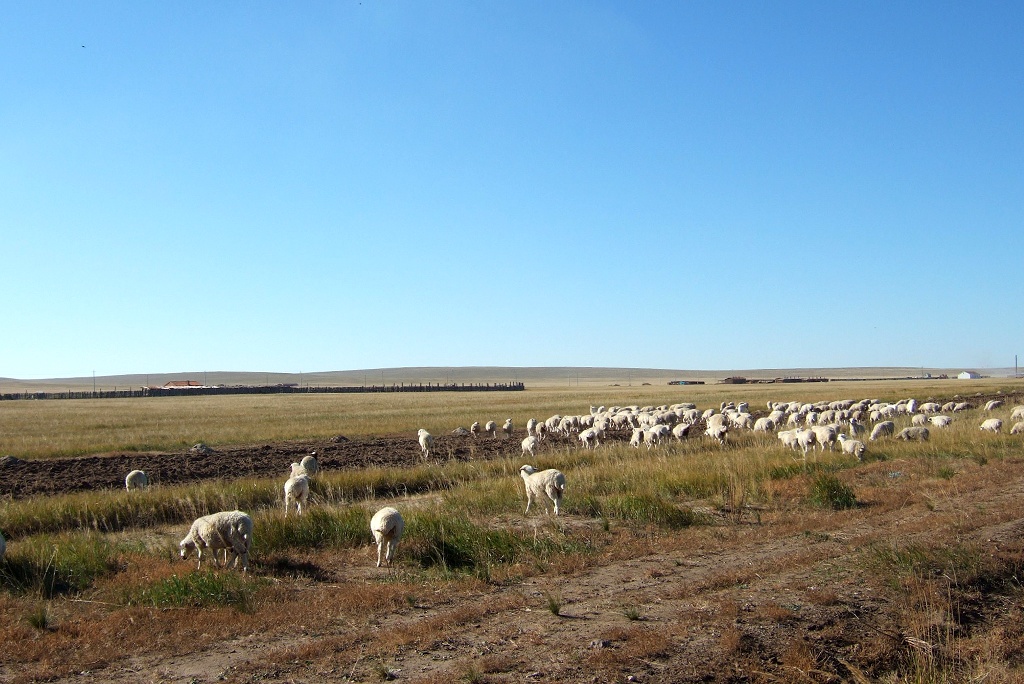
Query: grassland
(758, 550)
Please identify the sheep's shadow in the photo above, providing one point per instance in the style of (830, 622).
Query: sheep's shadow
(286, 567)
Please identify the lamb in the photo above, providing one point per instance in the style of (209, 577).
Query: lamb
(310, 464)
(387, 527)
(426, 442)
(588, 438)
(886, 427)
(911, 434)
(136, 480)
(491, 428)
(231, 530)
(549, 483)
(529, 444)
(992, 425)
(853, 447)
(764, 425)
(296, 490)
(507, 427)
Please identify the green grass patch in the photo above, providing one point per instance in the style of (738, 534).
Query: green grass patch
(316, 528)
(201, 589)
(828, 491)
(58, 565)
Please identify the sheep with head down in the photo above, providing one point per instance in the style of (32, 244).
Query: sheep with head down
(543, 485)
(387, 526)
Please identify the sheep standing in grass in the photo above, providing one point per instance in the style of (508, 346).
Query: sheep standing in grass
(231, 530)
(543, 485)
(507, 428)
(806, 439)
(136, 480)
(296, 490)
(940, 421)
(588, 438)
(1017, 413)
(387, 527)
(529, 444)
(491, 428)
(993, 404)
(853, 447)
(913, 434)
(992, 425)
(531, 426)
(883, 429)
(1017, 428)
(310, 465)
(426, 442)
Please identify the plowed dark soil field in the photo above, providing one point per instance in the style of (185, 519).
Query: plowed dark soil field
(19, 478)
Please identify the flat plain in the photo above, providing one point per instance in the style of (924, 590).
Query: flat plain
(689, 561)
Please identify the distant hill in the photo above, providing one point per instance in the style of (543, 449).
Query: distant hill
(531, 376)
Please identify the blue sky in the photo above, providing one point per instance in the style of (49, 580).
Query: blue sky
(342, 185)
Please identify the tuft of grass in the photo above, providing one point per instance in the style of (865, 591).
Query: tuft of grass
(649, 509)
(39, 617)
(633, 613)
(318, 527)
(58, 565)
(554, 602)
(197, 590)
(828, 491)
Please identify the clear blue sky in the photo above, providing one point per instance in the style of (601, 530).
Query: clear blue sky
(338, 185)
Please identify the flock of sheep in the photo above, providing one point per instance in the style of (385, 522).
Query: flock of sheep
(798, 425)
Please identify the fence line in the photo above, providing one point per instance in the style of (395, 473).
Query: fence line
(265, 389)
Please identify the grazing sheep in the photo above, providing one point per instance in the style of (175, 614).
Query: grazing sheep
(992, 425)
(788, 438)
(296, 490)
(426, 442)
(993, 404)
(961, 406)
(638, 436)
(681, 430)
(806, 440)
(911, 434)
(546, 483)
(856, 427)
(310, 464)
(1017, 428)
(919, 419)
(136, 480)
(930, 407)
(885, 428)
(718, 432)
(588, 438)
(940, 421)
(529, 444)
(387, 526)
(825, 435)
(1017, 413)
(491, 428)
(231, 530)
(654, 434)
(852, 446)
(764, 424)
(507, 427)
(474, 429)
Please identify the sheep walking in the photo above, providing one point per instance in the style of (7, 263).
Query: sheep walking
(588, 438)
(507, 427)
(546, 483)
(474, 429)
(854, 447)
(1017, 413)
(529, 444)
(296, 490)
(913, 434)
(230, 530)
(136, 480)
(491, 428)
(387, 526)
(885, 428)
(992, 425)
(1017, 428)
(426, 442)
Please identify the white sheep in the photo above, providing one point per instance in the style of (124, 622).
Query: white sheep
(387, 526)
(992, 425)
(886, 427)
(681, 430)
(296, 490)
(806, 439)
(637, 438)
(546, 484)
(507, 427)
(531, 426)
(1017, 413)
(911, 434)
(717, 432)
(654, 434)
(491, 428)
(474, 429)
(825, 435)
(993, 404)
(940, 421)
(529, 444)
(426, 442)
(136, 480)
(788, 438)
(853, 447)
(919, 419)
(588, 438)
(231, 530)
(1017, 428)
(856, 427)
(310, 464)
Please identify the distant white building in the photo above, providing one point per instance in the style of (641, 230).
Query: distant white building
(969, 375)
